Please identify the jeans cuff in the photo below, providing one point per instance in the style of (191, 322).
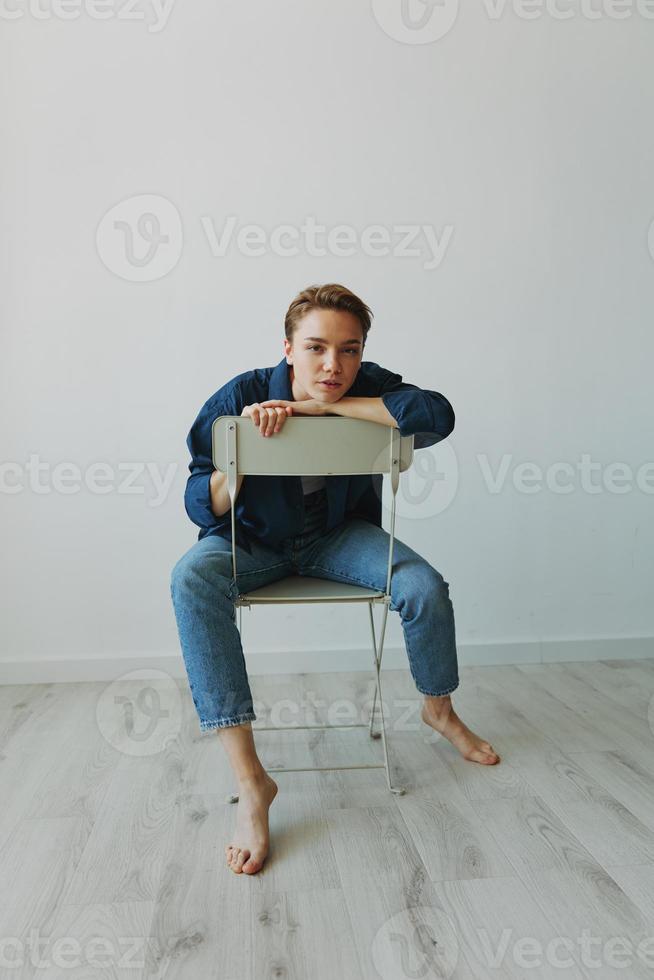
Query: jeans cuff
(439, 694)
(206, 726)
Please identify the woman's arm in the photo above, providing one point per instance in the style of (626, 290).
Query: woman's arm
(369, 409)
(220, 502)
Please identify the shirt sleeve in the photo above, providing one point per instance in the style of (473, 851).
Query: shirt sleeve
(197, 496)
(419, 412)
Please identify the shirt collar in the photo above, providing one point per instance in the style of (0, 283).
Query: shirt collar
(279, 387)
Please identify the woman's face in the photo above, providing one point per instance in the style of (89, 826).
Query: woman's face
(327, 346)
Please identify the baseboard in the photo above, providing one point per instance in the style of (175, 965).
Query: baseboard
(47, 671)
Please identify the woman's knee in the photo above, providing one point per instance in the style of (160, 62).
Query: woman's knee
(196, 568)
(419, 582)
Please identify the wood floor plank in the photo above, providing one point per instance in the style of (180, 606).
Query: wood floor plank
(131, 839)
(35, 750)
(625, 779)
(637, 881)
(340, 790)
(303, 934)
(621, 686)
(451, 839)
(590, 910)
(401, 928)
(544, 769)
(428, 763)
(100, 941)
(502, 932)
(302, 855)
(374, 842)
(37, 864)
(641, 670)
(21, 705)
(307, 749)
(531, 834)
(556, 839)
(201, 920)
(206, 765)
(77, 786)
(554, 719)
(621, 726)
(607, 829)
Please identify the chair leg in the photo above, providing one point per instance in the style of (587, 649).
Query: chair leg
(374, 699)
(400, 791)
(377, 657)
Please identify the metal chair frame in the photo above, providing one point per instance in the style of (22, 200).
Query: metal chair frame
(347, 447)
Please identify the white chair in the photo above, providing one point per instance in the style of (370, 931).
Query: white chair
(325, 446)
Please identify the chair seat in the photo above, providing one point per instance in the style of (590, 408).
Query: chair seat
(304, 588)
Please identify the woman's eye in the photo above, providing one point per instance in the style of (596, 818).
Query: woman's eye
(349, 350)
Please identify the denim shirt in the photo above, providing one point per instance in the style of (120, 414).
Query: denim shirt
(271, 508)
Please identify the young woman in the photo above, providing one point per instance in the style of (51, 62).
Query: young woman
(327, 527)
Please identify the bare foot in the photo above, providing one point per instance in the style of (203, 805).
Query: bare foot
(439, 714)
(251, 840)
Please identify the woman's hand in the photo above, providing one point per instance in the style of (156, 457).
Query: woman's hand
(269, 416)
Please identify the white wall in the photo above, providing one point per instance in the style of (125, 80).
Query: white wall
(532, 139)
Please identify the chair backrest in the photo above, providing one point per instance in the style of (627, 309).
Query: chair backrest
(310, 446)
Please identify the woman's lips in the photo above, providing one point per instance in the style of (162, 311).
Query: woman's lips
(331, 384)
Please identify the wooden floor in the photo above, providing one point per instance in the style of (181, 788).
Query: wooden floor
(111, 843)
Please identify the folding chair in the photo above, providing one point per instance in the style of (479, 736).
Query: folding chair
(320, 446)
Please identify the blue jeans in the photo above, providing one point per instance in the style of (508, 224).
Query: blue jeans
(203, 593)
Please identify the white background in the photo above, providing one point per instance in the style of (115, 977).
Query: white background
(531, 138)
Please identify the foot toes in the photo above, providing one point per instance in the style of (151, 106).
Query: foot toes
(481, 755)
(251, 865)
(241, 859)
